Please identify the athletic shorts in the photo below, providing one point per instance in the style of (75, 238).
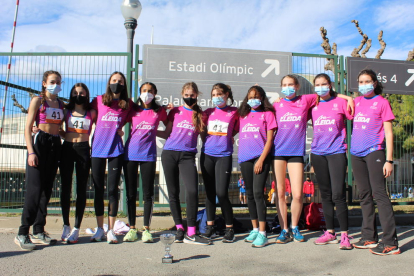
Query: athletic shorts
(308, 195)
(242, 194)
(286, 194)
(290, 159)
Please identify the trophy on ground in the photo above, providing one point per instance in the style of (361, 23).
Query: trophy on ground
(167, 240)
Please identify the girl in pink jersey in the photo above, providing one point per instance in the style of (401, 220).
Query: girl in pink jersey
(257, 125)
(216, 157)
(329, 159)
(75, 150)
(371, 165)
(141, 151)
(42, 160)
(112, 110)
(178, 160)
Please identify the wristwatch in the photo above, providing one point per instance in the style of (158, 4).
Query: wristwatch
(389, 161)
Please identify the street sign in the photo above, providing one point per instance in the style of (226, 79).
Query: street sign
(397, 76)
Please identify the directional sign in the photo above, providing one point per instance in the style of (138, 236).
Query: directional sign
(397, 76)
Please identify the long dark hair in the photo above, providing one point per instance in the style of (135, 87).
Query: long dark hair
(332, 93)
(109, 96)
(71, 104)
(43, 91)
(265, 105)
(225, 89)
(153, 105)
(197, 111)
(378, 88)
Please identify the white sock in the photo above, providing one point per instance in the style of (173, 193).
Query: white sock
(263, 233)
(256, 229)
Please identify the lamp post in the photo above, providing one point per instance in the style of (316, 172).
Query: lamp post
(131, 10)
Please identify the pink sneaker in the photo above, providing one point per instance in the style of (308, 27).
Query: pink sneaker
(345, 244)
(326, 238)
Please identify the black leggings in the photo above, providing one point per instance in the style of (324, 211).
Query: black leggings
(330, 171)
(98, 176)
(39, 182)
(255, 184)
(216, 174)
(176, 164)
(147, 172)
(370, 182)
(78, 153)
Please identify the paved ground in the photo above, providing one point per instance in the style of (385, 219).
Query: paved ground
(239, 258)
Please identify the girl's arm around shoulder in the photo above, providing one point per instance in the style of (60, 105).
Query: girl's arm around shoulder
(351, 105)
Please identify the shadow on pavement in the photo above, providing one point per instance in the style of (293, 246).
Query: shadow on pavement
(192, 258)
(12, 253)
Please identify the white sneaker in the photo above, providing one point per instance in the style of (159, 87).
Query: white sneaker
(66, 232)
(73, 237)
(98, 235)
(111, 237)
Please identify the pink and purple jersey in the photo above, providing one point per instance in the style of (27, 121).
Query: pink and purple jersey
(253, 134)
(183, 136)
(106, 142)
(329, 129)
(368, 127)
(292, 116)
(220, 122)
(140, 145)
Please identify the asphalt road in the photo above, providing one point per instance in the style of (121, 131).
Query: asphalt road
(239, 258)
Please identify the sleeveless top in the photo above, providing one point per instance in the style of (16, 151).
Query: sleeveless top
(49, 115)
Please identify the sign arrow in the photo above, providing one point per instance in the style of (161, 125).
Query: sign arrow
(411, 79)
(274, 64)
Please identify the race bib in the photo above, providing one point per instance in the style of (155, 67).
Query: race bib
(79, 125)
(54, 115)
(217, 127)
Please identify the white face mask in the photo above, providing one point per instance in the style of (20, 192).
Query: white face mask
(53, 89)
(146, 97)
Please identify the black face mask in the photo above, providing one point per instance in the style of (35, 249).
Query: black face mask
(190, 101)
(116, 88)
(79, 99)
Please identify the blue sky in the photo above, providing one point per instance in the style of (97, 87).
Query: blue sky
(290, 25)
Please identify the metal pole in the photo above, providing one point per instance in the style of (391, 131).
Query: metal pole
(3, 109)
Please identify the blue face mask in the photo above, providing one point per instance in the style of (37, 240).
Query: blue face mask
(366, 89)
(288, 91)
(254, 103)
(322, 90)
(218, 101)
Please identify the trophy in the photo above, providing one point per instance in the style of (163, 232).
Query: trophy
(167, 240)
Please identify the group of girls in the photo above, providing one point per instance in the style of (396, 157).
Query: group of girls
(269, 135)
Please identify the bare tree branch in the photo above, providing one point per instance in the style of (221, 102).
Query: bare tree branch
(16, 103)
(355, 52)
(383, 45)
(330, 66)
(367, 47)
(410, 55)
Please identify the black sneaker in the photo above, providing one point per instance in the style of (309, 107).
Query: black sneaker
(365, 244)
(179, 235)
(210, 232)
(228, 235)
(382, 249)
(44, 238)
(24, 242)
(195, 239)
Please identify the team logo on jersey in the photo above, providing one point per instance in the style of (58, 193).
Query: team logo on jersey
(281, 105)
(145, 125)
(364, 126)
(298, 103)
(296, 125)
(212, 113)
(185, 124)
(229, 113)
(256, 136)
(138, 114)
(335, 107)
(324, 120)
(261, 117)
(155, 115)
(111, 117)
(250, 128)
(180, 113)
(374, 105)
(290, 117)
(330, 129)
(360, 118)
(189, 134)
(358, 104)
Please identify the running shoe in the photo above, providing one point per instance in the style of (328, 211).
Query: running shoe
(43, 238)
(24, 242)
(297, 236)
(284, 237)
(111, 237)
(99, 234)
(345, 244)
(66, 232)
(73, 236)
(228, 235)
(147, 237)
(326, 238)
(252, 236)
(382, 249)
(210, 232)
(131, 236)
(260, 241)
(179, 235)
(195, 239)
(365, 244)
